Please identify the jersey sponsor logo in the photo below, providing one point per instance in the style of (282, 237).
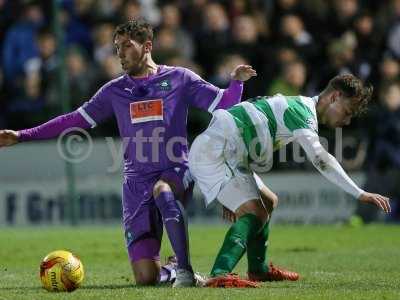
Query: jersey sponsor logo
(145, 111)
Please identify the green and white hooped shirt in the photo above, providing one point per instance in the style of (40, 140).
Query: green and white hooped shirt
(268, 123)
(278, 116)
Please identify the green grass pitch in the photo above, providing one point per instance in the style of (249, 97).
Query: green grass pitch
(335, 262)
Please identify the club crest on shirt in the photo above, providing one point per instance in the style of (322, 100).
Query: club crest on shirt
(164, 85)
(145, 111)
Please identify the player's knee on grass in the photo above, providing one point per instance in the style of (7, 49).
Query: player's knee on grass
(146, 272)
(254, 207)
(145, 260)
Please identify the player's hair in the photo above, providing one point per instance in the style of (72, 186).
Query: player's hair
(353, 89)
(137, 29)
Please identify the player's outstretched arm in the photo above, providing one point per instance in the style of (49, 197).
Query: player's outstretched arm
(333, 171)
(8, 138)
(48, 130)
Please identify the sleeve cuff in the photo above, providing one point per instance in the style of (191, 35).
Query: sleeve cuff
(216, 100)
(89, 119)
(358, 193)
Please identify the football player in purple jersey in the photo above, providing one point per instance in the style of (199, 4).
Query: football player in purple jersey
(150, 103)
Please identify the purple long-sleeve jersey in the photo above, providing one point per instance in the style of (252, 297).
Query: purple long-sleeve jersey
(151, 114)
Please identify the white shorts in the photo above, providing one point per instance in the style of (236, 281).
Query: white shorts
(217, 162)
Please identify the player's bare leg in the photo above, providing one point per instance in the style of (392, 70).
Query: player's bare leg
(175, 224)
(149, 271)
(269, 199)
(254, 207)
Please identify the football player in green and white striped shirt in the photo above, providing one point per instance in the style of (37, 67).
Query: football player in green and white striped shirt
(240, 142)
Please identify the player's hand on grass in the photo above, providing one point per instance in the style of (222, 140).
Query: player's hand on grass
(243, 73)
(379, 200)
(228, 215)
(8, 138)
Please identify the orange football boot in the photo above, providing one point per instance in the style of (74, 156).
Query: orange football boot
(274, 274)
(230, 281)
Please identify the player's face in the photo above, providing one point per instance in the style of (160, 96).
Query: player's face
(131, 54)
(338, 112)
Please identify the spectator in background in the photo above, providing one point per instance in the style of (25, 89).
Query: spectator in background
(150, 11)
(80, 76)
(32, 91)
(263, 27)
(171, 20)
(368, 40)
(76, 31)
(103, 46)
(342, 18)
(280, 8)
(293, 27)
(47, 68)
(237, 8)
(291, 81)
(213, 37)
(28, 106)
(317, 10)
(389, 70)
(3, 99)
(108, 9)
(83, 11)
(246, 42)
(6, 17)
(394, 40)
(192, 14)
(342, 60)
(130, 10)
(383, 161)
(19, 44)
(369, 45)
(283, 56)
(388, 15)
(165, 46)
(295, 36)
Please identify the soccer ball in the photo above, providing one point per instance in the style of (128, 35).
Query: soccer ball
(61, 271)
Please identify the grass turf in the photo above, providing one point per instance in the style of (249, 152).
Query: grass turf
(335, 262)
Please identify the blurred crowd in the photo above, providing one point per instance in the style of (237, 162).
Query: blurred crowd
(296, 46)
